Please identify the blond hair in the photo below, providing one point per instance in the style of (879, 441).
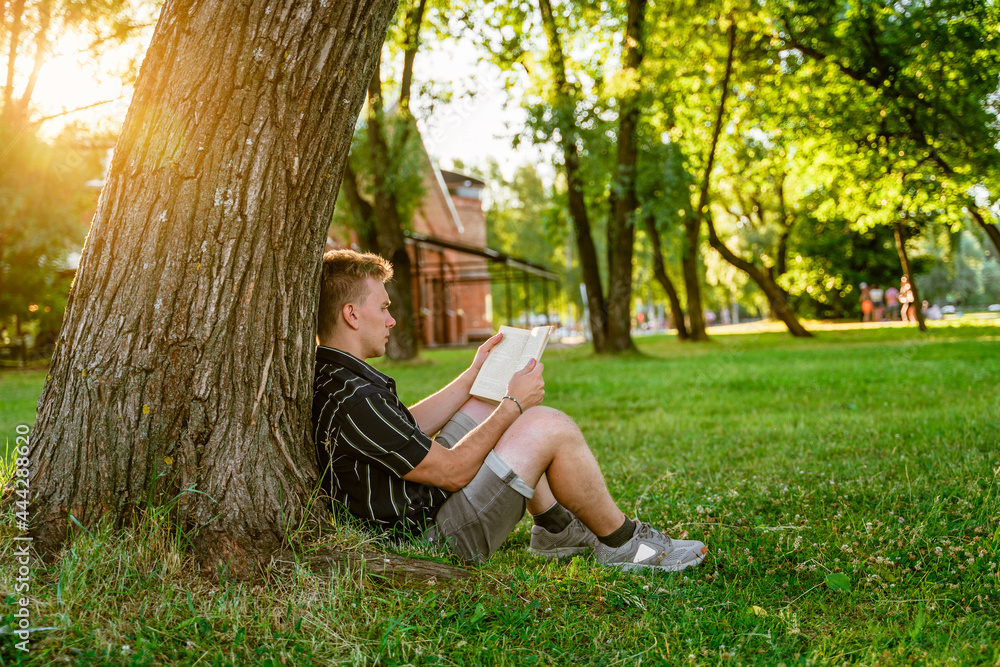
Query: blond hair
(345, 273)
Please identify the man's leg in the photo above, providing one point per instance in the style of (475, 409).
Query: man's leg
(546, 442)
(546, 450)
(478, 411)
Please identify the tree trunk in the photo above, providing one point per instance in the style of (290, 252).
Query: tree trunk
(184, 367)
(692, 276)
(389, 230)
(566, 122)
(364, 213)
(414, 19)
(991, 230)
(775, 295)
(787, 222)
(621, 231)
(904, 261)
(660, 271)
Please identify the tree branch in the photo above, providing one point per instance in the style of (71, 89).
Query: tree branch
(414, 19)
(17, 24)
(41, 51)
(706, 179)
(70, 111)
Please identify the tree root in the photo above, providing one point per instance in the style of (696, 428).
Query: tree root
(400, 569)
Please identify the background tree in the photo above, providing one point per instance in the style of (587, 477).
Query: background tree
(627, 88)
(561, 111)
(43, 200)
(762, 274)
(384, 181)
(43, 193)
(184, 367)
(664, 190)
(924, 73)
(526, 219)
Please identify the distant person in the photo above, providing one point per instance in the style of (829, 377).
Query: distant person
(931, 312)
(892, 304)
(878, 302)
(906, 310)
(866, 303)
(454, 470)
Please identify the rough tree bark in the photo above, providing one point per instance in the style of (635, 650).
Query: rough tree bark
(625, 202)
(184, 366)
(660, 272)
(565, 113)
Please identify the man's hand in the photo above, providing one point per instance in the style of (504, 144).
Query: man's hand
(528, 385)
(484, 351)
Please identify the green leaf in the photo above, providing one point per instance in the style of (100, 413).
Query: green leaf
(838, 581)
(477, 615)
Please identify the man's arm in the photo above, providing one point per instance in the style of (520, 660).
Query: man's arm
(433, 412)
(452, 469)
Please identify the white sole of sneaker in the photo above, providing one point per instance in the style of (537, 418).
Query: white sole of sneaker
(628, 567)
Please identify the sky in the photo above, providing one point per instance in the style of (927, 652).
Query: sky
(477, 124)
(482, 118)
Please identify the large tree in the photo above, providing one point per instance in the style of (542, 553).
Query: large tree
(183, 371)
(922, 79)
(43, 193)
(610, 316)
(390, 164)
(760, 274)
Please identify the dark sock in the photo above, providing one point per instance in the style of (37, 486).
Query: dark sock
(554, 519)
(620, 536)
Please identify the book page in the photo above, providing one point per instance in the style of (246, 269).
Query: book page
(535, 345)
(500, 366)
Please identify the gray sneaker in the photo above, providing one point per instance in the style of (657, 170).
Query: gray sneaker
(574, 539)
(650, 549)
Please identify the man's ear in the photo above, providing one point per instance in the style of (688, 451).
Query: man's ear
(350, 315)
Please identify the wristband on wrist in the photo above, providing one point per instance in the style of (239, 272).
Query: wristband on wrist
(515, 403)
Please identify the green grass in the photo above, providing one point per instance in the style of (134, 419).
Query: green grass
(19, 391)
(871, 453)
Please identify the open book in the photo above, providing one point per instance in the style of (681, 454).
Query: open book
(512, 353)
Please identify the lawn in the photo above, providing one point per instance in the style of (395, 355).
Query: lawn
(19, 391)
(847, 487)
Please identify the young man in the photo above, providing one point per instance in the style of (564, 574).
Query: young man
(469, 485)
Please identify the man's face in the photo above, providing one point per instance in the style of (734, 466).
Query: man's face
(374, 319)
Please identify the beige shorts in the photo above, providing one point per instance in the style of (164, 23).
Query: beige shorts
(475, 520)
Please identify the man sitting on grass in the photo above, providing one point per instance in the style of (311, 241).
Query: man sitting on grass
(469, 485)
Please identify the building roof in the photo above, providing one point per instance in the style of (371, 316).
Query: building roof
(453, 178)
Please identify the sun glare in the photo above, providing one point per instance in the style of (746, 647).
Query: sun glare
(76, 87)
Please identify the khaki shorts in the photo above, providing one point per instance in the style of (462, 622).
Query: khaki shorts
(475, 521)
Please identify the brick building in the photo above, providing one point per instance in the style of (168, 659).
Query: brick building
(454, 269)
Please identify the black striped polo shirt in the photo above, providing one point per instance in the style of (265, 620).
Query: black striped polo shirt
(366, 440)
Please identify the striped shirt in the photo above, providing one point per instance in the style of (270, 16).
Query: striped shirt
(366, 440)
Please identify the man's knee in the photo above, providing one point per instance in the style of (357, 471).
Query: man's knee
(546, 421)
